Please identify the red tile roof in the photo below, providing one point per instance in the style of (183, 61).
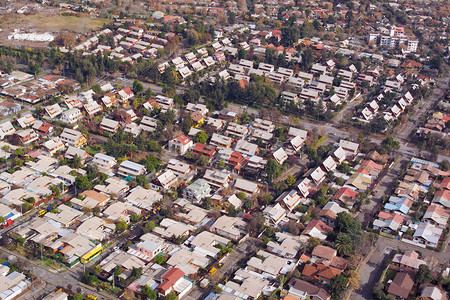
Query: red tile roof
(170, 278)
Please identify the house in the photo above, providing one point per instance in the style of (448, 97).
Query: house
(105, 163)
(181, 144)
(174, 281)
(359, 181)
(126, 116)
(245, 147)
(329, 213)
(401, 285)
(26, 120)
(130, 168)
(229, 227)
(436, 215)
(125, 95)
(221, 141)
(290, 200)
(280, 156)
(71, 116)
(197, 191)
(224, 203)
(53, 145)
(409, 259)
(72, 152)
(442, 198)
(286, 245)
(164, 181)
(109, 125)
(339, 155)
(182, 170)
(245, 284)
(205, 243)
(388, 222)
(345, 195)
(73, 138)
(92, 108)
(427, 234)
(247, 187)
(53, 110)
(329, 164)
(320, 272)
(24, 137)
(205, 150)
(268, 265)
(6, 128)
(300, 289)
(430, 292)
(43, 129)
(237, 130)
(218, 178)
(350, 148)
(401, 204)
(274, 214)
(317, 229)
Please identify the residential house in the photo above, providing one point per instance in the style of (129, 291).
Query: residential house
(71, 116)
(181, 144)
(409, 259)
(290, 200)
(73, 138)
(197, 191)
(267, 265)
(105, 163)
(221, 141)
(205, 150)
(109, 125)
(303, 290)
(247, 187)
(24, 137)
(427, 234)
(274, 214)
(350, 148)
(436, 215)
(285, 245)
(280, 156)
(402, 285)
(72, 152)
(230, 227)
(317, 229)
(388, 222)
(329, 213)
(218, 178)
(130, 168)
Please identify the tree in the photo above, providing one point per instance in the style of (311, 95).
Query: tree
(313, 242)
(444, 165)
(338, 286)
(96, 88)
(353, 277)
(201, 137)
(290, 179)
(171, 296)
(187, 124)
(273, 169)
(77, 297)
(344, 244)
(206, 204)
(135, 218)
(424, 275)
(117, 271)
(345, 223)
(148, 292)
(281, 280)
(160, 259)
(390, 144)
(203, 160)
(137, 87)
(149, 226)
(121, 226)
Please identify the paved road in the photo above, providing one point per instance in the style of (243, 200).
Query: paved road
(54, 278)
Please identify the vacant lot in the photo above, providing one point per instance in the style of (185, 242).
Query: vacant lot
(52, 23)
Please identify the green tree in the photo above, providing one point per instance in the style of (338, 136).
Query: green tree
(344, 244)
(390, 143)
(186, 124)
(160, 259)
(77, 297)
(137, 87)
(121, 226)
(424, 275)
(273, 169)
(347, 224)
(202, 160)
(206, 204)
(135, 218)
(338, 286)
(83, 183)
(171, 296)
(96, 88)
(117, 271)
(201, 137)
(149, 226)
(148, 292)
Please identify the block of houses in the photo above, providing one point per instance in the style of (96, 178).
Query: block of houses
(180, 144)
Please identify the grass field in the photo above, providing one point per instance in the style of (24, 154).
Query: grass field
(55, 23)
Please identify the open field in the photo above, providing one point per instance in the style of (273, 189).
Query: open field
(52, 23)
